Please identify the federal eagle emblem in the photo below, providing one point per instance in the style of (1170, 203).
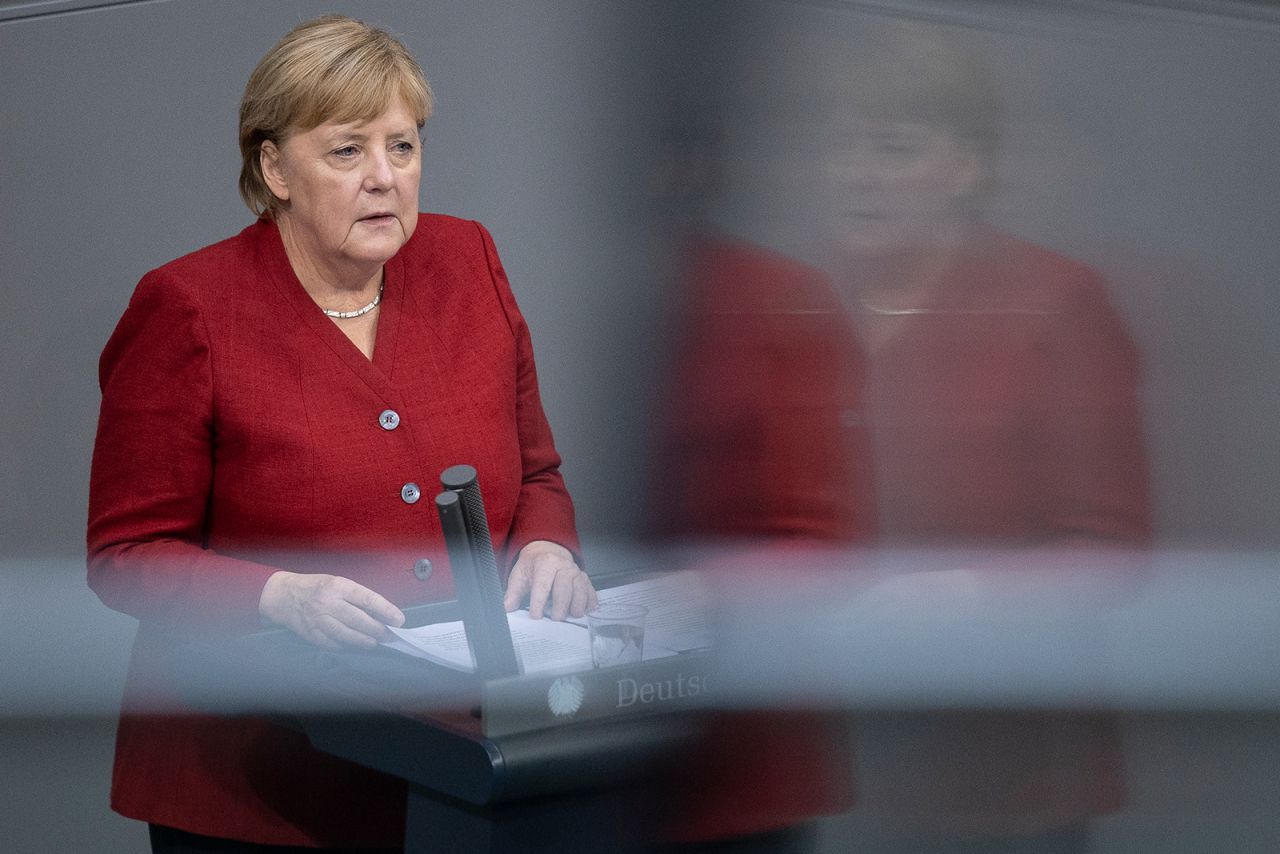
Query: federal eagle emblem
(564, 697)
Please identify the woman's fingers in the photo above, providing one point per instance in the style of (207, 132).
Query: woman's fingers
(376, 606)
(354, 619)
(327, 609)
(343, 634)
(584, 595)
(554, 584)
(571, 593)
(545, 569)
(518, 583)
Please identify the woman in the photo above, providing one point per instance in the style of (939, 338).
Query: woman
(1002, 385)
(949, 386)
(274, 408)
(1002, 403)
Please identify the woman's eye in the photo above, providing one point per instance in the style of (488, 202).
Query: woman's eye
(345, 151)
(403, 147)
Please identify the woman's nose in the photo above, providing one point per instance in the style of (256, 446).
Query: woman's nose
(379, 175)
(855, 170)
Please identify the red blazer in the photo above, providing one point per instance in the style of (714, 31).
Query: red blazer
(1005, 412)
(241, 433)
(757, 443)
(761, 431)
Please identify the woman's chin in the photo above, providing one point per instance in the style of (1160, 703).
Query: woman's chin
(868, 243)
(377, 250)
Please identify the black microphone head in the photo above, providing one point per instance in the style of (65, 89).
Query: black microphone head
(457, 477)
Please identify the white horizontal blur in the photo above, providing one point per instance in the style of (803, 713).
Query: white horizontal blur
(1177, 630)
(1169, 630)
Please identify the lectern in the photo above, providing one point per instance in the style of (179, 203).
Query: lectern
(495, 762)
(543, 763)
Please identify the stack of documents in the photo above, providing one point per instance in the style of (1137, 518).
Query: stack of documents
(678, 622)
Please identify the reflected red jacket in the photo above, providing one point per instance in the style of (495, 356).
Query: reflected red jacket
(762, 431)
(1004, 409)
(241, 432)
(762, 440)
(1003, 412)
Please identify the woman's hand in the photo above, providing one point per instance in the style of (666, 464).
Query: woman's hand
(328, 610)
(546, 573)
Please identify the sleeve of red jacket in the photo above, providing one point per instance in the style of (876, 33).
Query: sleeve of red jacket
(544, 510)
(751, 423)
(152, 470)
(1098, 485)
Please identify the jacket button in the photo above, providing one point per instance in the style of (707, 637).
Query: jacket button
(389, 419)
(409, 493)
(422, 569)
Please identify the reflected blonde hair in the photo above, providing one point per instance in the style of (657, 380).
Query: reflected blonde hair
(331, 69)
(917, 73)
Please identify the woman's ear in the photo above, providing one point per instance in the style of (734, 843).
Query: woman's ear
(273, 171)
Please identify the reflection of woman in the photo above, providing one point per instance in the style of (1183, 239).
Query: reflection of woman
(754, 449)
(274, 407)
(1002, 386)
(1002, 404)
(760, 384)
(987, 383)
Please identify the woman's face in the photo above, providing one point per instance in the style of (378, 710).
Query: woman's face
(897, 185)
(350, 190)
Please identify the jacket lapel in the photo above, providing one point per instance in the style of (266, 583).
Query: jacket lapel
(375, 373)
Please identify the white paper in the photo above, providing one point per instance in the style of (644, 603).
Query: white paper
(541, 645)
(677, 622)
(678, 619)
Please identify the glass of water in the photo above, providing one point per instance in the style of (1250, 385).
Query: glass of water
(617, 634)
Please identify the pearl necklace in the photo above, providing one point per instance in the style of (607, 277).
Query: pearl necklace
(881, 311)
(359, 312)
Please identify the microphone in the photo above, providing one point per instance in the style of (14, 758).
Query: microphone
(475, 573)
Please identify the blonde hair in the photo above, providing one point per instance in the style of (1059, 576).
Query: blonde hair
(333, 68)
(914, 73)
(911, 72)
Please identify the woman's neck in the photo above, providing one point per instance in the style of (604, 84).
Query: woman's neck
(340, 287)
(908, 277)
(904, 280)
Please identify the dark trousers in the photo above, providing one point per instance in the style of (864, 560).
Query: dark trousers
(168, 840)
(1068, 840)
(799, 839)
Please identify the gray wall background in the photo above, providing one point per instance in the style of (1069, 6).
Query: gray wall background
(1143, 145)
